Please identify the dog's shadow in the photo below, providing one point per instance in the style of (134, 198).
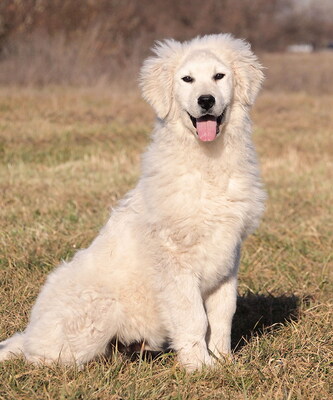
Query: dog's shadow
(255, 315)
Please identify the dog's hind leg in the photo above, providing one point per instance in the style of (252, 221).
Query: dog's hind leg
(77, 335)
(68, 332)
(12, 347)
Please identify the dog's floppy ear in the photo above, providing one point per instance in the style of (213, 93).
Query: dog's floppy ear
(248, 76)
(247, 72)
(156, 77)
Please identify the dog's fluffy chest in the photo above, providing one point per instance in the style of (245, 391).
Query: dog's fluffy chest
(195, 202)
(194, 220)
(199, 209)
(203, 241)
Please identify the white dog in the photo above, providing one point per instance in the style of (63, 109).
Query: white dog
(164, 268)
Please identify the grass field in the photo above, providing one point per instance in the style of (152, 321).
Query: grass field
(67, 155)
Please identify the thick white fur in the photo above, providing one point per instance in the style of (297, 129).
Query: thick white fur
(164, 267)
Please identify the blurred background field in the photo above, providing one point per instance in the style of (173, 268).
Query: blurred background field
(89, 42)
(72, 127)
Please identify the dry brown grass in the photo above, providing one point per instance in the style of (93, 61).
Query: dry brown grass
(68, 154)
(310, 73)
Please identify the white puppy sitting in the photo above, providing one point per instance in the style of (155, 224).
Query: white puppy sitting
(164, 268)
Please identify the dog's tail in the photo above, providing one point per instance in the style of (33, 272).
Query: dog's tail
(12, 347)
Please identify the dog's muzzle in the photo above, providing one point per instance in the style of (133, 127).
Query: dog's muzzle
(208, 126)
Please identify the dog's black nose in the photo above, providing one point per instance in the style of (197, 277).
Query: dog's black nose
(206, 101)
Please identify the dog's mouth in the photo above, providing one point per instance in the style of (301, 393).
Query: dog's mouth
(208, 126)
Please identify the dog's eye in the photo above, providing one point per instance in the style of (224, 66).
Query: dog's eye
(187, 79)
(218, 76)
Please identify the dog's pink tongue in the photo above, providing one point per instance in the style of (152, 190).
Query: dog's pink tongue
(206, 129)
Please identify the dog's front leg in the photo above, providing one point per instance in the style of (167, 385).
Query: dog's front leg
(221, 306)
(186, 318)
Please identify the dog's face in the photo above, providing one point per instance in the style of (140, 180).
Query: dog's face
(203, 90)
(199, 82)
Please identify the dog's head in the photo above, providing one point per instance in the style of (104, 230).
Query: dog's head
(199, 81)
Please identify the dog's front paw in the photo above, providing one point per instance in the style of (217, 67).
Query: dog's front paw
(195, 358)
